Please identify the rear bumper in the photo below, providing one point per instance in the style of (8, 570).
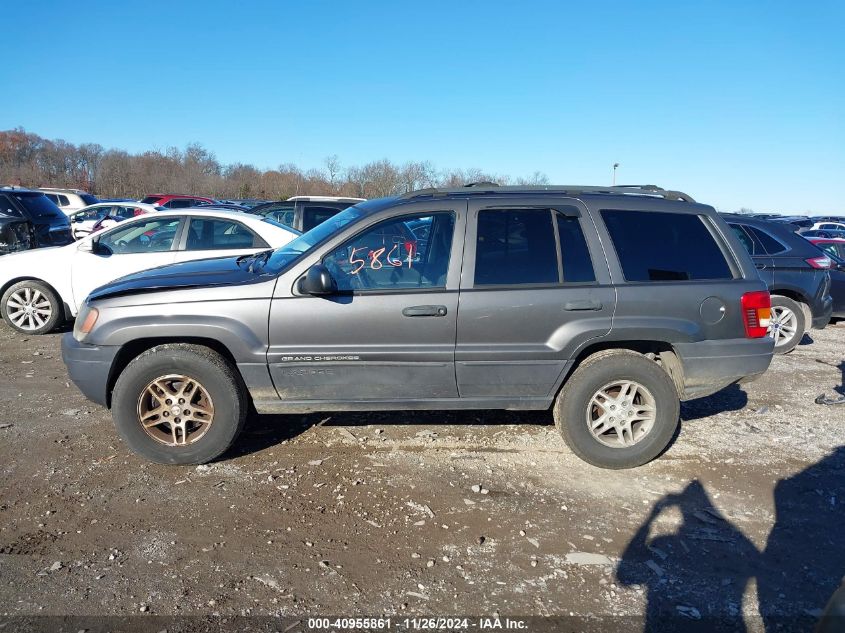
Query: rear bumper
(712, 365)
(88, 367)
(822, 313)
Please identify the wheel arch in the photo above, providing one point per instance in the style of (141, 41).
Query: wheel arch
(65, 306)
(132, 349)
(661, 352)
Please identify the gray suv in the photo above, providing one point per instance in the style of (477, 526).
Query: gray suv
(607, 305)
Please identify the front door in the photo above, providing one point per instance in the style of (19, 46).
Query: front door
(130, 247)
(389, 331)
(532, 292)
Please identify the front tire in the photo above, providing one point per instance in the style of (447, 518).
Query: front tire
(788, 324)
(31, 307)
(179, 404)
(618, 410)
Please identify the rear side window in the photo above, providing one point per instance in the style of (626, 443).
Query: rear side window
(746, 239)
(577, 266)
(151, 199)
(770, 244)
(665, 246)
(515, 246)
(63, 201)
(206, 234)
(312, 216)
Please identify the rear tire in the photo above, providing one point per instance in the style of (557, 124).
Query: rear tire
(788, 324)
(31, 307)
(634, 437)
(179, 404)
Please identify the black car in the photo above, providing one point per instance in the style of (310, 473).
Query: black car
(303, 213)
(796, 272)
(47, 224)
(14, 235)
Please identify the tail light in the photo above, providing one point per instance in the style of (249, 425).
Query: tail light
(823, 262)
(756, 313)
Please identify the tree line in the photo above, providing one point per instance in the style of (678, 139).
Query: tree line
(29, 160)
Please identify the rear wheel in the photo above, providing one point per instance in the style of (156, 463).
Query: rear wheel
(31, 307)
(788, 324)
(618, 410)
(179, 404)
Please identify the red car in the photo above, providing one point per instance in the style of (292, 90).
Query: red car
(176, 200)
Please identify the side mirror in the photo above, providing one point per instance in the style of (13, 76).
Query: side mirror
(317, 281)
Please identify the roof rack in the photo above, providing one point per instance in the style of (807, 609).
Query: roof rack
(572, 190)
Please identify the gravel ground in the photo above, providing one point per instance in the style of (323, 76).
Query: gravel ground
(440, 513)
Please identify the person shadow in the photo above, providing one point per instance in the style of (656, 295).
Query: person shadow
(694, 573)
(696, 570)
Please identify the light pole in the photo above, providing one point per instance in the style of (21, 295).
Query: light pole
(615, 165)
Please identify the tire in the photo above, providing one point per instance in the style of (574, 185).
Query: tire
(787, 317)
(31, 307)
(575, 409)
(165, 370)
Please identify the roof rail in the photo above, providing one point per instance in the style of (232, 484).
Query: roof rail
(572, 190)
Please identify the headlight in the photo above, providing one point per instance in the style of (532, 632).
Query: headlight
(85, 321)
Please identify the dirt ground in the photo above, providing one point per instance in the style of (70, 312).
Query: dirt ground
(444, 513)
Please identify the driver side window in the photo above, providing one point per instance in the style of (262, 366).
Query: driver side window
(150, 236)
(411, 252)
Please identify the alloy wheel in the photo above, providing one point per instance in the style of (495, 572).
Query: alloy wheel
(29, 309)
(621, 413)
(783, 326)
(175, 410)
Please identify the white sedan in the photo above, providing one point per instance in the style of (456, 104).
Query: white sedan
(42, 288)
(104, 215)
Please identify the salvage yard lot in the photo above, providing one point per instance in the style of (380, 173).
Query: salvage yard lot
(425, 513)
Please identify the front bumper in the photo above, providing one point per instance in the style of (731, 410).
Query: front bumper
(88, 367)
(712, 365)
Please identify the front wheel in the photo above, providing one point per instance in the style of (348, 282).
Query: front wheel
(618, 410)
(179, 404)
(31, 307)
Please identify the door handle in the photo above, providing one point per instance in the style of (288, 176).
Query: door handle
(582, 304)
(424, 311)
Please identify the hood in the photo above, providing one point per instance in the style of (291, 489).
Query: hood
(220, 271)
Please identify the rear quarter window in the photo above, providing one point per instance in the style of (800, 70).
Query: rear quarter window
(656, 246)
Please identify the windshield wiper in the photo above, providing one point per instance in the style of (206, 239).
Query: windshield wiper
(259, 259)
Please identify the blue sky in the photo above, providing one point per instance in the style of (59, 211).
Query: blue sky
(737, 103)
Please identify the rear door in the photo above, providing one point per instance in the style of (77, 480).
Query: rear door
(535, 285)
(389, 331)
(206, 237)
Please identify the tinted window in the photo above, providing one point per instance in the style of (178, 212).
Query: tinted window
(312, 216)
(392, 255)
(39, 206)
(665, 246)
(179, 203)
(63, 201)
(150, 236)
(53, 197)
(577, 265)
(151, 199)
(206, 234)
(124, 213)
(515, 246)
(87, 198)
(6, 208)
(745, 238)
(770, 244)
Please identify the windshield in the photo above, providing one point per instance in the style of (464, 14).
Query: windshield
(290, 252)
(39, 206)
